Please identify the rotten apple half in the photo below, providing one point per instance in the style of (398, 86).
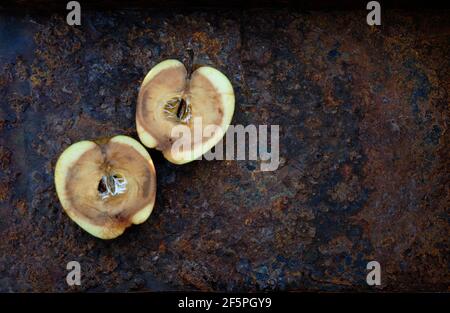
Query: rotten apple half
(169, 97)
(106, 185)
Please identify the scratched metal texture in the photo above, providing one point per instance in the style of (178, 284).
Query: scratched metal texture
(364, 146)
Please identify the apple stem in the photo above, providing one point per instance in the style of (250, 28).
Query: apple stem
(190, 61)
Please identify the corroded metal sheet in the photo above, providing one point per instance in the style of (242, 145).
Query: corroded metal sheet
(363, 115)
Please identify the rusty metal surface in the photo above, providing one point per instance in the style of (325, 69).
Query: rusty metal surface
(363, 116)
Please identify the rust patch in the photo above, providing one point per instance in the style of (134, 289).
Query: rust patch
(363, 115)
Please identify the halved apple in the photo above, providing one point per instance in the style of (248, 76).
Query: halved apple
(106, 185)
(169, 98)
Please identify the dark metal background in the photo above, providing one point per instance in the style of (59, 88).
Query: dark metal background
(363, 113)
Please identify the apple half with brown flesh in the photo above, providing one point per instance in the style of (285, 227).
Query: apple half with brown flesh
(169, 97)
(106, 185)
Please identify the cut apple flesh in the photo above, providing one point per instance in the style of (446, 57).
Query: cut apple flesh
(106, 186)
(169, 98)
